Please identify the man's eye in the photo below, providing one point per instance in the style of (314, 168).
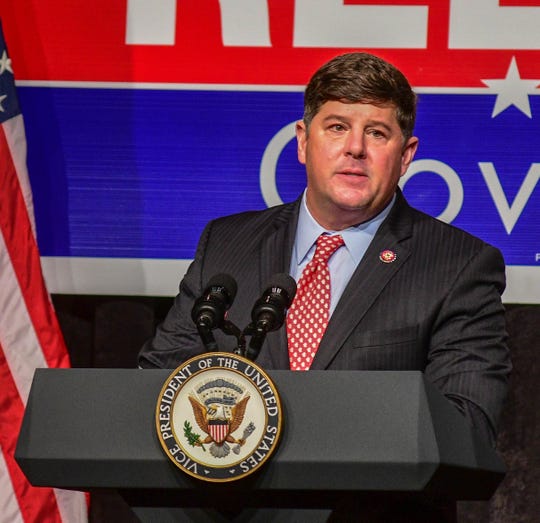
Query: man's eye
(376, 133)
(337, 127)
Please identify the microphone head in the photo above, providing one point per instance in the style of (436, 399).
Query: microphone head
(282, 284)
(209, 309)
(271, 306)
(224, 284)
(268, 313)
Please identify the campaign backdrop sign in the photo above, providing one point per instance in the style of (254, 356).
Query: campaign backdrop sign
(147, 119)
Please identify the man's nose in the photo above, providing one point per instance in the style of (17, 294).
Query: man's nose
(355, 145)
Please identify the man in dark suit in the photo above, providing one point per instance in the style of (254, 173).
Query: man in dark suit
(408, 292)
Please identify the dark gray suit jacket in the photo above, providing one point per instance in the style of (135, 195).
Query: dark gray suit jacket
(436, 308)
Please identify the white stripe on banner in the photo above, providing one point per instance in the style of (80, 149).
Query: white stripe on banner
(113, 276)
(153, 277)
(258, 88)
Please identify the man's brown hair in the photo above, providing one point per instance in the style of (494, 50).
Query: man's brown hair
(362, 78)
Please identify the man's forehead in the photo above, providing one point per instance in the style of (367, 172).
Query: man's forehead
(385, 110)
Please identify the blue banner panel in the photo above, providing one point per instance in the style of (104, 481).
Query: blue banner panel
(137, 173)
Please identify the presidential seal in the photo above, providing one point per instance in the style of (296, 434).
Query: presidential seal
(218, 417)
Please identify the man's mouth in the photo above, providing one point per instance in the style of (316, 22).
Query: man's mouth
(352, 172)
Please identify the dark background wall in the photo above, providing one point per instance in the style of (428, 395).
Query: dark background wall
(108, 331)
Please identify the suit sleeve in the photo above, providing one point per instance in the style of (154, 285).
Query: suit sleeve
(468, 358)
(176, 339)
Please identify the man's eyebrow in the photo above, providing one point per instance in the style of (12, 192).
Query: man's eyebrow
(347, 119)
(380, 123)
(336, 117)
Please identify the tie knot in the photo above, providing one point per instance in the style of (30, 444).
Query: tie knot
(326, 246)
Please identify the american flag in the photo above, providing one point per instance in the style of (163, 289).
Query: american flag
(30, 335)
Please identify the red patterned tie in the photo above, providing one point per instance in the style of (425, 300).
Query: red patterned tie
(308, 315)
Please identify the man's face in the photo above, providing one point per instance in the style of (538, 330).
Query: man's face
(354, 155)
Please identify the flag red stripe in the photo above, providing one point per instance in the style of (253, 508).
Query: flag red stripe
(23, 251)
(40, 503)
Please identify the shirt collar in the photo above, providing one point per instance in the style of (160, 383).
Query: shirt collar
(355, 237)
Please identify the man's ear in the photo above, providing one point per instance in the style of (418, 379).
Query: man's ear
(301, 139)
(407, 155)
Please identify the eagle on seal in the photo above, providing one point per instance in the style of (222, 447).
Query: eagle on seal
(218, 426)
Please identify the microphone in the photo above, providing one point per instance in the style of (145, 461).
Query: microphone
(209, 310)
(268, 313)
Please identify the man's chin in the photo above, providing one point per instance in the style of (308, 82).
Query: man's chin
(352, 202)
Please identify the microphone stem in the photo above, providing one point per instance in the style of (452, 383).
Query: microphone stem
(207, 337)
(257, 339)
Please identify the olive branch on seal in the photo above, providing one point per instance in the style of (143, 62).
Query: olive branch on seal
(193, 439)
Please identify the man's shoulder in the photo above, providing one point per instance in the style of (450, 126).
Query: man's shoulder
(404, 215)
(438, 240)
(274, 215)
(434, 226)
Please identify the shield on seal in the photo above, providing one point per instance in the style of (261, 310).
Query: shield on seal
(218, 429)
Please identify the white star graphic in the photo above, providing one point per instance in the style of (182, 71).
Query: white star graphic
(512, 90)
(2, 98)
(5, 63)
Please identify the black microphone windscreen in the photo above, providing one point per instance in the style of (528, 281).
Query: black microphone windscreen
(285, 282)
(227, 282)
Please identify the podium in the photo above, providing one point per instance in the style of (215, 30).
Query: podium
(346, 434)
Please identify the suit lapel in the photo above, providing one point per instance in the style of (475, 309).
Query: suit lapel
(276, 247)
(276, 250)
(368, 281)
